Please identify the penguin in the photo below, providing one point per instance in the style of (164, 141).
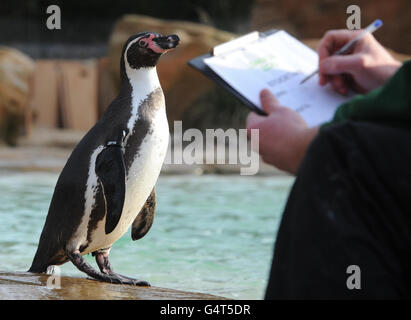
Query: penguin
(108, 182)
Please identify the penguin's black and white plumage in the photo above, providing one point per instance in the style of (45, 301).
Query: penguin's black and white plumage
(108, 182)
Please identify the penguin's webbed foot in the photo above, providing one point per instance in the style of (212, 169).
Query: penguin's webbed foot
(105, 267)
(127, 280)
(105, 276)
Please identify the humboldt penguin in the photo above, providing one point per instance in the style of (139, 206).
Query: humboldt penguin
(108, 182)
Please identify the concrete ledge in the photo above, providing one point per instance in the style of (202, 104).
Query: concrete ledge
(30, 286)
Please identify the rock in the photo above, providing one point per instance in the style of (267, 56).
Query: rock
(16, 70)
(312, 18)
(181, 84)
(29, 286)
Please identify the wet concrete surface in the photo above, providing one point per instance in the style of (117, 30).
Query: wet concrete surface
(30, 286)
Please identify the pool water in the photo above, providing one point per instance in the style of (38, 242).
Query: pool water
(212, 234)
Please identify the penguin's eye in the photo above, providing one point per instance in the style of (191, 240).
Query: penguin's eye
(142, 43)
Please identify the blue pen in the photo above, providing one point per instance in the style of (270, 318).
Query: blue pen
(371, 28)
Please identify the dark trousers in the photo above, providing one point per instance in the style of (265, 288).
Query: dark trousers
(350, 206)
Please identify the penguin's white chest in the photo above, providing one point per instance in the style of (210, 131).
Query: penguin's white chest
(144, 171)
(140, 181)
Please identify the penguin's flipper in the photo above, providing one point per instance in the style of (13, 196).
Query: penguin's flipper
(145, 218)
(111, 172)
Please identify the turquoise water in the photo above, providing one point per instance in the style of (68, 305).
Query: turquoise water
(212, 234)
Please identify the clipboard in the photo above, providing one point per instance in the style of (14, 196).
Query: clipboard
(275, 60)
(199, 64)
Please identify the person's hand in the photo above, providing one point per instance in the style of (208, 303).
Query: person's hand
(283, 135)
(367, 67)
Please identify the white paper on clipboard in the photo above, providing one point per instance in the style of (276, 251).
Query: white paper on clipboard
(277, 62)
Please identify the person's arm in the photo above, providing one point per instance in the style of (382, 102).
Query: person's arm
(284, 135)
(367, 67)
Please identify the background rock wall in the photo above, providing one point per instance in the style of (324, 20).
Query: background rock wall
(16, 70)
(87, 24)
(93, 33)
(311, 18)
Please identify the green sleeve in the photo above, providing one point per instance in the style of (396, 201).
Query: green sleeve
(389, 104)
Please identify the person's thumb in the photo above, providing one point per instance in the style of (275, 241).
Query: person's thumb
(268, 101)
(340, 64)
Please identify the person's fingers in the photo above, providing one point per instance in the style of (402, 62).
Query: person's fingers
(268, 101)
(253, 121)
(341, 64)
(339, 85)
(338, 82)
(322, 79)
(334, 40)
(335, 83)
(253, 118)
(331, 42)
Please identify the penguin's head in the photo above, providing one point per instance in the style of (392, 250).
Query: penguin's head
(143, 50)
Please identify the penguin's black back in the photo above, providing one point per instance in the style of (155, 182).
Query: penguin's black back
(68, 202)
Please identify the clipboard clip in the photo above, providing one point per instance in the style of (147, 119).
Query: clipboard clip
(235, 44)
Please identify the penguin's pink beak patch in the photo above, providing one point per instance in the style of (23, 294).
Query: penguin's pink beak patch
(162, 44)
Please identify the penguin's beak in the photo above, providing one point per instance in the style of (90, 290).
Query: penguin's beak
(166, 43)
